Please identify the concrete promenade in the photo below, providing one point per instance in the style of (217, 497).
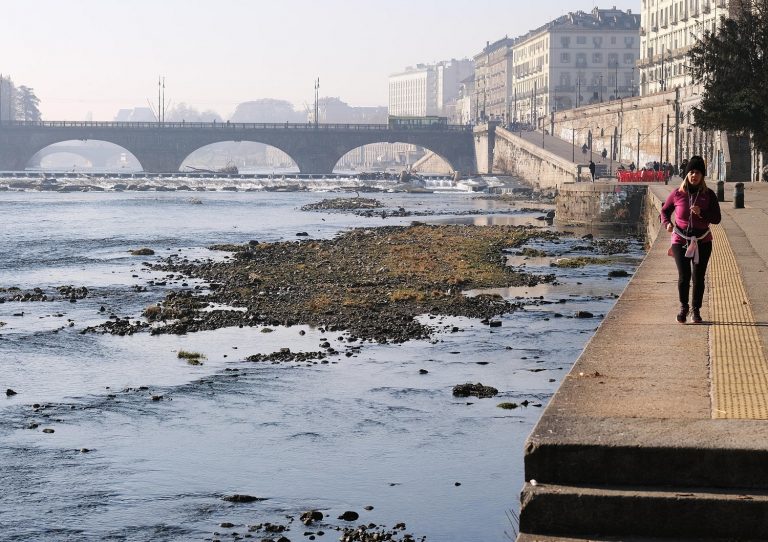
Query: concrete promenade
(660, 430)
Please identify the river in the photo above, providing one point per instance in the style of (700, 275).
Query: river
(145, 446)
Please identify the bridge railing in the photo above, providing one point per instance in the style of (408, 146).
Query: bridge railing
(234, 126)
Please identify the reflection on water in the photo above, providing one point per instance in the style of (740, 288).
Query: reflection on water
(165, 440)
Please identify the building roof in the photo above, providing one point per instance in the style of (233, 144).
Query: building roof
(597, 19)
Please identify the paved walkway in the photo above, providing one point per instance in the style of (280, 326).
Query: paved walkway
(564, 149)
(661, 429)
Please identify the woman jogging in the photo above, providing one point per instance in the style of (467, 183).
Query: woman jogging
(687, 214)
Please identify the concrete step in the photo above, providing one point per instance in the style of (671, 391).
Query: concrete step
(643, 512)
(648, 452)
(545, 538)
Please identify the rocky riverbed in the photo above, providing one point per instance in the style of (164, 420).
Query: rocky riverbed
(371, 282)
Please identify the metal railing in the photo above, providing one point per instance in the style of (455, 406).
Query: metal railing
(233, 126)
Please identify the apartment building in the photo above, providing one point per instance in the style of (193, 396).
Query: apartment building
(427, 89)
(491, 99)
(668, 31)
(577, 59)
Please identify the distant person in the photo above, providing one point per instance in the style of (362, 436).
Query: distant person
(584, 148)
(632, 166)
(687, 214)
(604, 154)
(592, 170)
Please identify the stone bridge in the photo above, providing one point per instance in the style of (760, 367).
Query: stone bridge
(162, 147)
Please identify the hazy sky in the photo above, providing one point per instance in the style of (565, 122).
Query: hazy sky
(97, 56)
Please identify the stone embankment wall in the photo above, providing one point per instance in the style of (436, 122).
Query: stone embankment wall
(601, 205)
(654, 199)
(536, 166)
(619, 122)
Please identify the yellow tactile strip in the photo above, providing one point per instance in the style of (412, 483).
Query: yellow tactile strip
(739, 369)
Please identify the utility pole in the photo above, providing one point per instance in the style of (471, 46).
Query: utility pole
(661, 143)
(163, 98)
(1, 98)
(637, 164)
(159, 114)
(667, 137)
(317, 89)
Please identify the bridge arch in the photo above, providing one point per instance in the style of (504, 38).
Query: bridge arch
(245, 155)
(88, 155)
(385, 155)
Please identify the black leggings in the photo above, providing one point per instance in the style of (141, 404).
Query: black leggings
(686, 270)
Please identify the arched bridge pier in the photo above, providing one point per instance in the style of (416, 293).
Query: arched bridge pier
(162, 147)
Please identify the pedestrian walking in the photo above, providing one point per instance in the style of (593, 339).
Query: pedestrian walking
(592, 170)
(687, 214)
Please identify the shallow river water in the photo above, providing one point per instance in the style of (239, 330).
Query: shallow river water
(145, 445)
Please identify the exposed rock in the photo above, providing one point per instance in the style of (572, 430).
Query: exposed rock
(478, 390)
(349, 515)
(238, 498)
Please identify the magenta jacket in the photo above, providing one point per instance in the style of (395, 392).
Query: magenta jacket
(680, 204)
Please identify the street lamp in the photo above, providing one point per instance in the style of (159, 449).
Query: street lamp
(601, 89)
(574, 131)
(637, 162)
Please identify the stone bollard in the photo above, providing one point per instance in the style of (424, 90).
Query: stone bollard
(720, 191)
(738, 196)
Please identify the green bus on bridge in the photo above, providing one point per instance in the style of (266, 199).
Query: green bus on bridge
(417, 122)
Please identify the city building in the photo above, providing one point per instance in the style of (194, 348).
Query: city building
(577, 59)
(668, 31)
(492, 98)
(427, 89)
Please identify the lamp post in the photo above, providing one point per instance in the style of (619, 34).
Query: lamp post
(637, 149)
(317, 112)
(578, 90)
(616, 94)
(601, 89)
(575, 131)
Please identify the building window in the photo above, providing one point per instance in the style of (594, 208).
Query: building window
(581, 40)
(629, 58)
(613, 40)
(629, 42)
(597, 41)
(613, 60)
(581, 60)
(597, 58)
(565, 58)
(565, 41)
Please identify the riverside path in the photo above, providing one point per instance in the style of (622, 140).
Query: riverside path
(660, 430)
